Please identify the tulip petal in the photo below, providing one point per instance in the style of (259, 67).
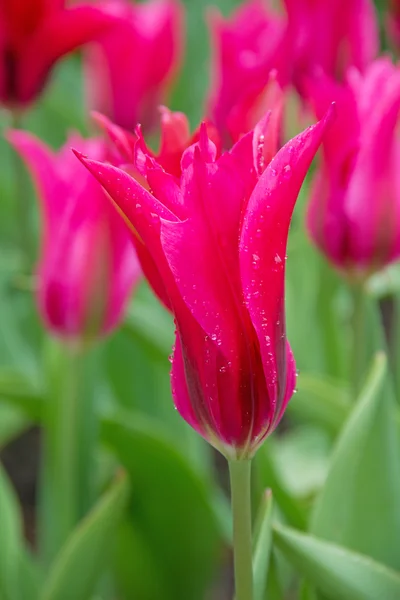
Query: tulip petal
(374, 185)
(60, 33)
(129, 71)
(141, 211)
(263, 250)
(43, 166)
(201, 251)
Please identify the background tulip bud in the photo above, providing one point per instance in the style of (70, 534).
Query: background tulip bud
(88, 264)
(354, 213)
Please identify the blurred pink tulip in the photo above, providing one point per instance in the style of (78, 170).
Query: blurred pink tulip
(246, 47)
(130, 71)
(34, 35)
(215, 240)
(88, 265)
(354, 214)
(331, 35)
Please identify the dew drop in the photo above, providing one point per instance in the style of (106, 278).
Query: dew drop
(287, 170)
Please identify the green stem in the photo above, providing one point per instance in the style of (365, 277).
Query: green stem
(69, 434)
(22, 202)
(240, 472)
(330, 334)
(359, 341)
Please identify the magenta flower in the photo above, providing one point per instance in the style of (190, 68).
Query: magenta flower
(34, 35)
(246, 48)
(130, 71)
(174, 140)
(354, 214)
(331, 35)
(215, 241)
(88, 265)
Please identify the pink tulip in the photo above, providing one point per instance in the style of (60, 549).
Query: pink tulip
(34, 35)
(354, 214)
(330, 35)
(246, 47)
(216, 241)
(175, 139)
(88, 265)
(130, 71)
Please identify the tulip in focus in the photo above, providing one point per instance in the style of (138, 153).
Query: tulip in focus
(127, 147)
(129, 71)
(354, 214)
(34, 35)
(88, 265)
(331, 35)
(213, 247)
(246, 48)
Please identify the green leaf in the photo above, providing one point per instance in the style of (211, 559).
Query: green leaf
(16, 567)
(10, 539)
(81, 561)
(262, 550)
(359, 504)
(17, 390)
(320, 401)
(12, 423)
(150, 324)
(135, 565)
(335, 571)
(301, 457)
(269, 476)
(172, 507)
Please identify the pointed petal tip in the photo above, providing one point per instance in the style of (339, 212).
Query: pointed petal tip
(79, 155)
(330, 114)
(100, 119)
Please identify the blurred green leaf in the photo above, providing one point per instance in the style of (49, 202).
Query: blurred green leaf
(320, 401)
(270, 476)
(337, 572)
(81, 561)
(10, 540)
(135, 565)
(150, 324)
(262, 550)
(359, 504)
(301, 456)
(172, 507)
(12, 423)
(16, 567)
(18, 391)
(385, 282)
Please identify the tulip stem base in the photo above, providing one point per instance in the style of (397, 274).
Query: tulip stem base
(240, 475)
